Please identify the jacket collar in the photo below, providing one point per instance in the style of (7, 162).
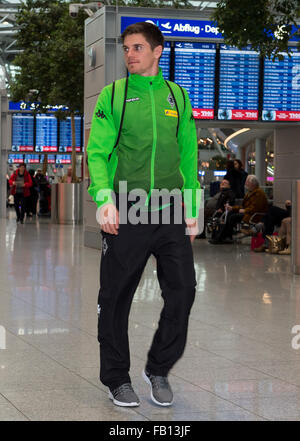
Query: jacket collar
(142, 82)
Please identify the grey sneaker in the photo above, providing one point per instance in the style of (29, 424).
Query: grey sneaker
(161, 392)
(124, 396)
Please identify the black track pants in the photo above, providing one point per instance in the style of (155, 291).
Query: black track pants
(122, 263)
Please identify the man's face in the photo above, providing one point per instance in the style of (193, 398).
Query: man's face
(224, 184)
(21, 169)
(138, 55)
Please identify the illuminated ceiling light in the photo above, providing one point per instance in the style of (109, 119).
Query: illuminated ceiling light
(233, 135)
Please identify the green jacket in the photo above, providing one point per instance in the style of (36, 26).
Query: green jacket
(150, 154)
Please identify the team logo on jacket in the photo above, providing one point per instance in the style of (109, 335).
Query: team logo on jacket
(173, 113)
(100, 114)
(170, 100)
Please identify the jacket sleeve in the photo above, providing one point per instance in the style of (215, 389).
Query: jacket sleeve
(12, 179)
(101, 142)
(188, 148)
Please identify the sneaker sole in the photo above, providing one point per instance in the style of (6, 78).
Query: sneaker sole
(151, 394)
(121, 403)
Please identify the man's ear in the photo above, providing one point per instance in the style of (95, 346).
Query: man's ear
(158, 51)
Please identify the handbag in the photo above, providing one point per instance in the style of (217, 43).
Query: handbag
(275, 244)
(257, 241)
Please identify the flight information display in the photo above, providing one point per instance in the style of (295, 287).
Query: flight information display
(15, 158)
(164, 62)
(195, 71)
(31, 159)
(281, 97)
(238, 83)
(65, 134)
(63, 159)
(50, 159)
(46, 133)
(22, 132)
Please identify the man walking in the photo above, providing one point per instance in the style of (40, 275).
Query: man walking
(143, 133)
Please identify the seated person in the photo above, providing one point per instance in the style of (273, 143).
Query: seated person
(275, 216)
(255, 201)
(218, 201)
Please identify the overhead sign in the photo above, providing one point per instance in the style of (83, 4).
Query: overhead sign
(178, 28)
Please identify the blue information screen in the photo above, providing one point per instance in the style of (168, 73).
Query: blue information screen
(31, 159)
(281, 97)
(16, 158)
(164, 62)
(65, 134)
(63, 159)
(50, 159)
(22, 132)
(239, 83)
(195, 71)
(46, 133)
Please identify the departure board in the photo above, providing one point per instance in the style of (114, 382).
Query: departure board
(16, 158)
(50, 159)
(63, 159)
(65, 134)
(22, 132)
(31, 159)
(195, 71)
(281, 97)
(46, 133)
(164, 62)
(238, 83)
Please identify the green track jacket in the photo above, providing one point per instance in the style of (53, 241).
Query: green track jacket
(150, 153)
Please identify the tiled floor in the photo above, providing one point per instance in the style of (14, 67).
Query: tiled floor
(239, 363)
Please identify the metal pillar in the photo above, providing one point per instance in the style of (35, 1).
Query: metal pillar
(260, 163)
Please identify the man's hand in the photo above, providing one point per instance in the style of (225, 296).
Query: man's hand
(288, 203)
(228, 207)
(241, 211)
(108, 218)
(192, 225)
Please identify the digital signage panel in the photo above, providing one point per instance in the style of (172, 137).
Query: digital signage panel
(31, 159)
(22, 132)
(50, 159)
(164, 61)
(15, 158)
(46, 133)
(195, 71)
(281, 97)
(238, 83)
(63, 159)
(65, 134)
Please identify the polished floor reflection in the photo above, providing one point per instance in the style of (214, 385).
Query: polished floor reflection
(239, 362)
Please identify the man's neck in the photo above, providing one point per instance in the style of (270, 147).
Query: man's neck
(151, 72)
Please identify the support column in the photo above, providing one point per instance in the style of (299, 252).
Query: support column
(260, 163)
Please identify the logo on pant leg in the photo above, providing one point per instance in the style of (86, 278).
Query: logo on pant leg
(104, 246)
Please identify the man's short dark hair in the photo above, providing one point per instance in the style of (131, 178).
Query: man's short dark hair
(151, 33)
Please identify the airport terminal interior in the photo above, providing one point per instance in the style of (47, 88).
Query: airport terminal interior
(242, 357)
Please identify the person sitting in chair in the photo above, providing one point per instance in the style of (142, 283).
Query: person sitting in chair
(255, 201)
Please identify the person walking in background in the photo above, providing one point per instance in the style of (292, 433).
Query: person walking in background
(20, 182)
(31, 201)
(67, 179)
(239, 166)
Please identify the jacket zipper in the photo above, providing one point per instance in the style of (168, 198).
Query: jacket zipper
(153, 142)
